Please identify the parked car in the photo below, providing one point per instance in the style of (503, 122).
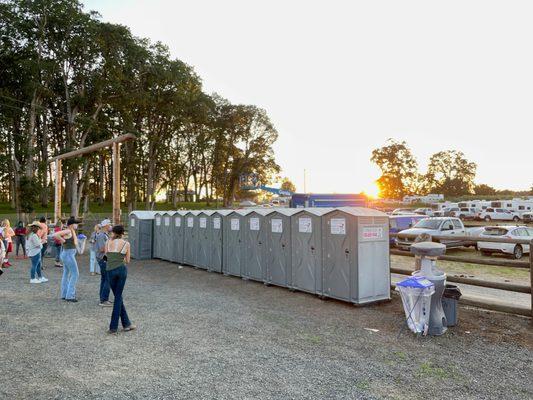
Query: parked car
(498, 214)
(403, 211)
(527, 217)
(508, 232)
(465, 213)
(424, 211)
(451, 211)
(437, 226)
(398, 223)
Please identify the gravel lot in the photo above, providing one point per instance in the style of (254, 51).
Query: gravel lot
(206, 336)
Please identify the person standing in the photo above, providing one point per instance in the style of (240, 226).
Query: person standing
(94, 267)
(33, 249)
(43, 235)
(2, 250)
(8, 240)
(57, 243)
(69, 240)
(100, 242)
(118, 256)
(20, 238)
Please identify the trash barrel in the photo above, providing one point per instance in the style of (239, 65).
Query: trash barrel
(450, 298)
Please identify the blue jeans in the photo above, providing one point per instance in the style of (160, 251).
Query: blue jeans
(70, 274)
(58, 252)
(93, 264)
(36, 266)
(104, 281)
(117, 280)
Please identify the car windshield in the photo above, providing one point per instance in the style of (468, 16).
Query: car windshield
(428, 224)
(495, 231)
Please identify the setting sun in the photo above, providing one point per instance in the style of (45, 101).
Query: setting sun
(372, 191)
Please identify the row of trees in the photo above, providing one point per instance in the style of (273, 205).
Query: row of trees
(68, 80)
(449, 173)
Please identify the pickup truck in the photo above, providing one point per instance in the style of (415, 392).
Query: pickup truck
(438, 226)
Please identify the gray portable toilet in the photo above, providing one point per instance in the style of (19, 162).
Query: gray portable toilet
(306, 247)
(190, 238)
(255, 244)
(233, 242)
(158, 234)
(278, 249)
(355, 253)
(216, 226)
(167, 242)
(177, 236)
(204, 243)
(140, 234)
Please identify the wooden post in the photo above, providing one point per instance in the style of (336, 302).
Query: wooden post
(116, 183)
(57, 194)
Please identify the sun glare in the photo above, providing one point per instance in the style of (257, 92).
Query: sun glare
(372, 191)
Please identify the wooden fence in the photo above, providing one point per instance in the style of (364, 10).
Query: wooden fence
(482, 302)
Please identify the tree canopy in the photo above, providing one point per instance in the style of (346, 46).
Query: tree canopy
(68, 80)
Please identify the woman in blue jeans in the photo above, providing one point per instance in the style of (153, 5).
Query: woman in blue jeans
(69, 240)
(117, 252)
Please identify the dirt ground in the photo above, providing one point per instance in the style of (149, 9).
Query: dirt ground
(206, 336)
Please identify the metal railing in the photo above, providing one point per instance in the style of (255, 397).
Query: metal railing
(481, 302)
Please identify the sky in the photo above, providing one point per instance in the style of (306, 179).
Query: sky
(338, 78)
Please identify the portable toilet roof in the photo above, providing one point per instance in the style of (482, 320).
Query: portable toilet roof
(144, 214)
(318, 211)
(207, 212)
(363, 212)
(285, 211)
(223, 212)
(242, 212)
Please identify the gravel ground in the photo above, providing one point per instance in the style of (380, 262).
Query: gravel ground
(206, 336)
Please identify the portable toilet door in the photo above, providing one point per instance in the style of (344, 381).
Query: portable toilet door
(278, 251)
(158, 235)
(255, 242)
(190, 239)
(177, 237)
(216, 225)
(339, 232)
(140, 234)
(167, 236)
(203, 249)
(306, 246)
(233, 243)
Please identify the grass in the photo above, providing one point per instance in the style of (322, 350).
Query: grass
(428, 370)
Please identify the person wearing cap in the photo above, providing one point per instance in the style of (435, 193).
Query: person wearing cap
(118, 256)
(100, 242)
(69, 241)
(33, 250)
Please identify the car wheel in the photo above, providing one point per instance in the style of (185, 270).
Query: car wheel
(518, 252)
(461, 217)
(487, 219)
(516, 219)
(485, 253)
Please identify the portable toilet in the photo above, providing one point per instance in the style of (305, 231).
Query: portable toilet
(167, 242)
(255, 245)
(306, 247)
(233, 242)
(216, 226)
(158, 234)
(204, 243)
(177, 236)
(190, 238)
(355, 254)
(140, 234)
(278, 249)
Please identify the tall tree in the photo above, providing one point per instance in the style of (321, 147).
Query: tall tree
(398, 169)
(450, 173)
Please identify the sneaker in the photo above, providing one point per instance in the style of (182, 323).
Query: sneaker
(129, 328)
(35, 281)
(58, 265)
(71, 300)
(106, 304)
(112, 332)
(43, 279)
